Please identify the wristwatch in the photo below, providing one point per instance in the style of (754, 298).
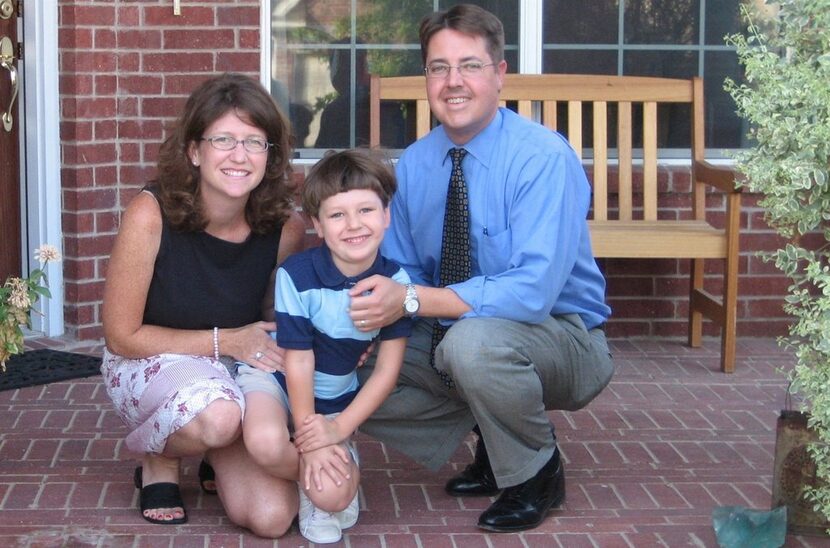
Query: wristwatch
(411, 304)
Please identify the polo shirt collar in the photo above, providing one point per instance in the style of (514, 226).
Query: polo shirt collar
(331, 276)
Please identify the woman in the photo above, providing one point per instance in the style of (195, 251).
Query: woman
(190, 280)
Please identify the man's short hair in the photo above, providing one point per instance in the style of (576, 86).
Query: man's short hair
(468, 19)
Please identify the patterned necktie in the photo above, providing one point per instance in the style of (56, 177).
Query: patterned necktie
(455, 245)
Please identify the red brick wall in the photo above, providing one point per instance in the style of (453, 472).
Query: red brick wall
(650, 297)
(125, 69)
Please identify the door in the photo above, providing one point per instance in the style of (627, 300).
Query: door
(10, 236)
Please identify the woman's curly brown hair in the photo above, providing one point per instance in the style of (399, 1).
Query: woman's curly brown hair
(178, 179)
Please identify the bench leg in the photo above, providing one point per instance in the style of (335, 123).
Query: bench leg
(730, 281)
(695, 314)
(722, 311)
(730, 314)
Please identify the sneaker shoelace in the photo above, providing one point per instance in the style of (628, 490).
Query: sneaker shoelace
(318, 515)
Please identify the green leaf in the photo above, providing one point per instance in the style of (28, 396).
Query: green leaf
(43, 291)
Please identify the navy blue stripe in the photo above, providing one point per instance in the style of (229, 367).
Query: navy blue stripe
(336, 356)
(300, 329)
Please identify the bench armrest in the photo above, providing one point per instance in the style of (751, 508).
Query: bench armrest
(720, 177)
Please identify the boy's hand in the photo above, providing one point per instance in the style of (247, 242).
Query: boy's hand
(332, 461)
(317, 431)
(365, 356)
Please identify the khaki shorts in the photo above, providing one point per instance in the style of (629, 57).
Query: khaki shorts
(251, 379)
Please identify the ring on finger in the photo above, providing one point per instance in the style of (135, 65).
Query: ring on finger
(362, 323)
(258, 355)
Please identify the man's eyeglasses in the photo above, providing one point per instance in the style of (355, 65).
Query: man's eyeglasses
(254, 145)
(442, 70)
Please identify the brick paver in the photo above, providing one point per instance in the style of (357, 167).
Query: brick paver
(646, 462)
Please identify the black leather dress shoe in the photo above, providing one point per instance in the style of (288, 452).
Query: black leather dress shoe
(524, 506)
(476, 480)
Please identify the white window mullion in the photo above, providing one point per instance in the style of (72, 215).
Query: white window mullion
(265, 37)
(530, 36)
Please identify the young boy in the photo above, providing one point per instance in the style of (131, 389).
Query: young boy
(346, 195)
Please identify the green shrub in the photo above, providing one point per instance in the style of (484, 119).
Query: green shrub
(785, 98)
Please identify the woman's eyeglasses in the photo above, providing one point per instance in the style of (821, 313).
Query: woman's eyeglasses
(254, 145)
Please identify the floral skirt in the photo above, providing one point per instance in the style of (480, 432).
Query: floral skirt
(156, 396)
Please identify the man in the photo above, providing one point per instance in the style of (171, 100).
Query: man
(526, 320)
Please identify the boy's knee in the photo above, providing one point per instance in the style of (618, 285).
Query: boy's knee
(333, 499)
(267, 446)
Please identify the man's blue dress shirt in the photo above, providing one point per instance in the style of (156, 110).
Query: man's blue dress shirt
(529, 198)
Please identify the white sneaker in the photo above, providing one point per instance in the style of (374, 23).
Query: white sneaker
(353, 451)
(347, 517)
(317, 525)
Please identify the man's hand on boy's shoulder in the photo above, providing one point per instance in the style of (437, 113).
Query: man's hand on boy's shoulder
(377, 301)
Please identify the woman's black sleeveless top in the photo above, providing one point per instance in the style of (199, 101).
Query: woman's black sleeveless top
(201, 282)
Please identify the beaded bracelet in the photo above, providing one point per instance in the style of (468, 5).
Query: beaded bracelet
(215, 343)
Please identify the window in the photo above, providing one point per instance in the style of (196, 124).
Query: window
(322, 52)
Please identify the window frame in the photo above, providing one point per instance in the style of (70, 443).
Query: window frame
(531, 49)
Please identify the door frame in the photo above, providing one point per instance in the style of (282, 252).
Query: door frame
(41, 164)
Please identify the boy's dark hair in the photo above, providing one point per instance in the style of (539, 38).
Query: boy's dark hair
(355, 169)
(467, 19)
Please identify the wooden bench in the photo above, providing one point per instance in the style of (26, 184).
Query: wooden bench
(625, 221)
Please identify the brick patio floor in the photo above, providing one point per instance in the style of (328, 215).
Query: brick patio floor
(668, 441)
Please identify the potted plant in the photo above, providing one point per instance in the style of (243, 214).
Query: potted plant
(785, 98)
(18, 297)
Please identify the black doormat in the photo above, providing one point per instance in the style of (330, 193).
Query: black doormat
(44, 366)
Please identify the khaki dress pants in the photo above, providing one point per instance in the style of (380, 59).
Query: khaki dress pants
(507, 374)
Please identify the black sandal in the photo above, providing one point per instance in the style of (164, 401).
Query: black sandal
(159, 495)
(206, 474)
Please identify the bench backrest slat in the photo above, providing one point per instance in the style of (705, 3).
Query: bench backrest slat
(650, 161)
(600, 160)
(625, 155)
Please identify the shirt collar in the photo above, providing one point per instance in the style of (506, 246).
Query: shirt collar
(481, 146)
(330, 275)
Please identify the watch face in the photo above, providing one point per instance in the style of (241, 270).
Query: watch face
(411, 306)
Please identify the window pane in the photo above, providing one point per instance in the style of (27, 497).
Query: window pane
(560, 61)
(335, 107)
(722, 17)
(723, 127)
(662, 21)
(320, 72)
(311, 21)
(666, 64)
(506, 10)
(390, 21)
(569, 22)
(674, 128)
(397, 120)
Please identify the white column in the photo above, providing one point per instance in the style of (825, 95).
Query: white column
(43, 161)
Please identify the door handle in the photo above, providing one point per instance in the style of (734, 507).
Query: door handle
(7, 62)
